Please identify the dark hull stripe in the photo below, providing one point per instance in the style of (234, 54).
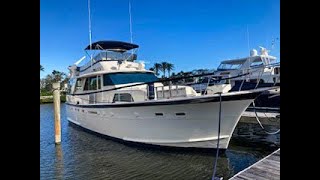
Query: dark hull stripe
(235, 97)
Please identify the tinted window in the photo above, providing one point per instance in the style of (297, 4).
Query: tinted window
(125, 78)
(92, 83)
(78, 85)
(123, 97)
(254, 64)
(99, 82)
(230, 66)
(86, 85)
(70, 84)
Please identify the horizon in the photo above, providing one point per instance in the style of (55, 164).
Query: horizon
(190, 35)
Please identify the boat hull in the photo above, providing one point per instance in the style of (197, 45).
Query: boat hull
(269, 99)
(176, 123)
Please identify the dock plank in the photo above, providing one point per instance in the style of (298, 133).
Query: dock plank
(250, 176)
(275, 158)
(266, 168)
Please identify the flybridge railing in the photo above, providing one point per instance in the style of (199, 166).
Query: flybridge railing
(254, 72)
(157, 81)
(275, 75)
(109, 56)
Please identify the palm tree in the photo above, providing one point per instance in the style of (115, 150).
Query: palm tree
(41, 68)
(48, 80)
(170, 67)
(164, 68)
(157, 67)
(58, 76)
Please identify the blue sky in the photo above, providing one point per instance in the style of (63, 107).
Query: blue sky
(190, 34)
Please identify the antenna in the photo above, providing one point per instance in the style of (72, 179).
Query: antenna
(130, 21)
(248, 39)
(90, 34)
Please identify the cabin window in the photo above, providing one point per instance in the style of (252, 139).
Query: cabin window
(70, 84)
(92, 83)
(78, 85)
(126, 78)
(86, 85)
(256, 64)
(99, 82)
(230, 66)
(122, 97)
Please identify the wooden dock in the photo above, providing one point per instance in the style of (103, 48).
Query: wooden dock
(261, 114)
(265, 169)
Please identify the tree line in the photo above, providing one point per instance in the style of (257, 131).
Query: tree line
(46, 82)
(162, 67)
(166, 67)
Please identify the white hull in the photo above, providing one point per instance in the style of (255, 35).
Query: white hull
(198, 127)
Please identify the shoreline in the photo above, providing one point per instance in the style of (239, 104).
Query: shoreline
(49, 99)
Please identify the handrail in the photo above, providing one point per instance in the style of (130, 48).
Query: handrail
(159, 81)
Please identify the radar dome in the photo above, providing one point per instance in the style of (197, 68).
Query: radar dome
(253, 52)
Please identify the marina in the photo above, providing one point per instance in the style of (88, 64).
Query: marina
(83, 155)
(208, 107)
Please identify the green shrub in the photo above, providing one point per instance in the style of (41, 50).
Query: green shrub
(50, 100)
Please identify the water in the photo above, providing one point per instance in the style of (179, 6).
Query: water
(82, 155)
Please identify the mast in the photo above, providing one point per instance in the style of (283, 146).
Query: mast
(130, 22)
(248, 39)
(90, 33)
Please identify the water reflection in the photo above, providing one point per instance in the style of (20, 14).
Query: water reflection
(82, 155)
(58, 163)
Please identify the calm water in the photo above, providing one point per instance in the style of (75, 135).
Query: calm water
(82, 155)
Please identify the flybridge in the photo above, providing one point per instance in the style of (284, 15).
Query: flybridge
(117, 46)
(111, 56)
(113, 51)
(248, 62)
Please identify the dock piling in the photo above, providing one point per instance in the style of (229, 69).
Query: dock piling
(56, 102)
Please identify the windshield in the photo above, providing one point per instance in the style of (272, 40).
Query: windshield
(233, 66)
(126, 78)
(109, 55)
(71, 83)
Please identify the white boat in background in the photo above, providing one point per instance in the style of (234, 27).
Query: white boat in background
(261, 71)
(116, 96)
